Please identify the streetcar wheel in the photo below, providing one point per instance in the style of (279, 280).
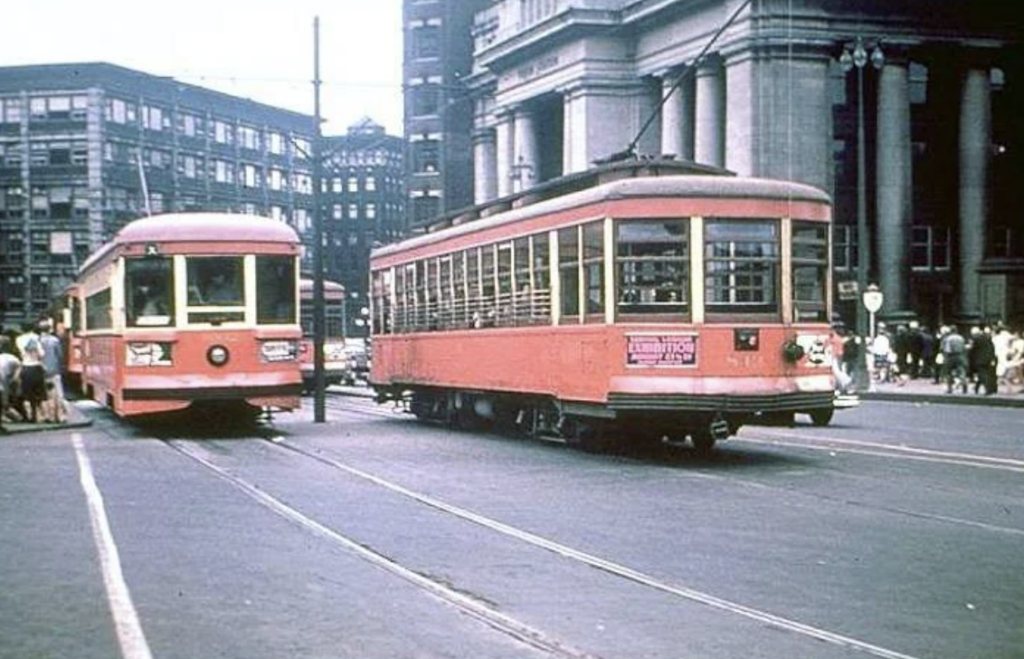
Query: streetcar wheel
(822, 417)
(590, 437)
(703, 442)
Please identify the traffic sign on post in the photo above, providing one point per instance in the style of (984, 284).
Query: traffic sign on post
(873, 300)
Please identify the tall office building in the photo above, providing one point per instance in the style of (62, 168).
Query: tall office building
(438, 110)
(85, 148)
(364, 205)
(562, 83)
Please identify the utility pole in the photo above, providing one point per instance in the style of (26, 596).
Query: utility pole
(318, 240)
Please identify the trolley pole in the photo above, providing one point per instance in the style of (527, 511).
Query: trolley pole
(318, 240)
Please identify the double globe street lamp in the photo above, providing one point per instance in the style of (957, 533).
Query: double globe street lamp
(855, 56)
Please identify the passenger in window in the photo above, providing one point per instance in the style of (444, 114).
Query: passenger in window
(148, 302)
(220, 290)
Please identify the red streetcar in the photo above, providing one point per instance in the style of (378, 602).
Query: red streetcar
(665, 300)
(336, 367)
(185, 308)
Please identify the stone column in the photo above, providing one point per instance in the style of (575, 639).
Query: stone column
(504, 154)
(709, 134)
(485, 166)
(894, 183)
(677, 117)
(779, 114)
(526, 163)
(975, 152)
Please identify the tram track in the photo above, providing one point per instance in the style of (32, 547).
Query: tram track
(772, 438)
(818, 442)
(563, 551)
(467, 604)
(477, 607)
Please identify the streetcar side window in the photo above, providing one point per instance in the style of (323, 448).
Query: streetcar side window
(215, 282)
(810, 271)
(593, 266)
(568, 270)
(149, 286)
(652, 259)
(741, 266)
(275, 290)
(98, 313)
(540, 299)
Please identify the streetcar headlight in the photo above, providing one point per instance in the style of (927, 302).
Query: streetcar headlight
(218, 355)
(278, 351)
(147, 353)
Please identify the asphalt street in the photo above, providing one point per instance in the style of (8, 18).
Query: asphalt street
(897, 531)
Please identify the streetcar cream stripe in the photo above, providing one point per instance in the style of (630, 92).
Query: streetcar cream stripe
(126, 620)
(486, 615)
(899, 448)
(882, 454)
(615, 568)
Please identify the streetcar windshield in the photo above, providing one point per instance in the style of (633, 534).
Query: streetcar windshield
(149, 287)
(216, 284)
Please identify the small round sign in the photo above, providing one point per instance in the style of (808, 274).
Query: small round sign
(873, 299)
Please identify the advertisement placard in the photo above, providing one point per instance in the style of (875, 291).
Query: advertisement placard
(661, 350)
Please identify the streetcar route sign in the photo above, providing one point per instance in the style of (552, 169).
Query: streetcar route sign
(661, 350)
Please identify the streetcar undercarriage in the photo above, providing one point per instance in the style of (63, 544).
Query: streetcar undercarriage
(599, 427)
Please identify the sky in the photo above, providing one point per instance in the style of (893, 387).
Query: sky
(256, 49)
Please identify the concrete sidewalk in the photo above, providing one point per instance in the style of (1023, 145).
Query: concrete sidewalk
(924, 390)
(76, 419)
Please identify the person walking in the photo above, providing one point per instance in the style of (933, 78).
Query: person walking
(33, 376)
(954, 359)
(53, 367)
(10, 381)
(981, 357)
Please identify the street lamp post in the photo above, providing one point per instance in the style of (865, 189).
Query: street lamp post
(856, 57)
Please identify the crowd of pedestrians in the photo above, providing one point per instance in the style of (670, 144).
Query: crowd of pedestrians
(31, 364)
(982, 360)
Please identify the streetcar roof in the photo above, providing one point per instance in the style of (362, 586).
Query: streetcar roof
(197, 227)
(306, 287)
(699, 186)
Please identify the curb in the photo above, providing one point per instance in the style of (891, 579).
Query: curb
(945, 399)
(12, 428)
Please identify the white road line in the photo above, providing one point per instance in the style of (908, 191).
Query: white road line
(614, 568)
(883, 450)
(506, 624)
(126, 619)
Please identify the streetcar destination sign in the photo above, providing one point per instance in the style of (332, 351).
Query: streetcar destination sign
(661, 350)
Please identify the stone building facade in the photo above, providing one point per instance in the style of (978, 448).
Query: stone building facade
(562, 83)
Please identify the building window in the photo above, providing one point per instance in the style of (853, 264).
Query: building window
(275, 143)
(250, 176)
(930, 249)
(249, 138)
(371, 211)
(844, 247)
(426, 42)
(741, 266)
(426, 156)
(425, 101)
(10, 110)
(425, 208)
(370, 183)
(353, 211)
(353, 184)
(223, 132)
